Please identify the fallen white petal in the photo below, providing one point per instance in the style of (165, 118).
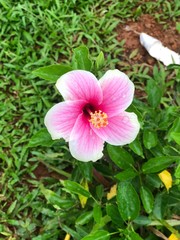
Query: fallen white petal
(158, 51)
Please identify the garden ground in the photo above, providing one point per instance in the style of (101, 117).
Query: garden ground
(39, 33)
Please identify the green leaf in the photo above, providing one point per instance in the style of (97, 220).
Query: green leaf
(103, 223)
(28, 36)
(134, 108)
(12, 207)
(133, 53)
(133, 236)
(75, 188)
(81, 58)
(136, 147)
(174, 129)
(147, 199)
(81, 231)
(138, 12)
(157, 164)
(5, 4)
(69, 230)
(120, 156)
(149, 139)
(177, 172)
(153, 180)
(113, 213)
(12, 222)
(97, 213)
(142, 220)
(126, 174)
(97, 235)
(174, 66)
(52, 73)
(55, 199)
(46, 236)
(154, 93)
(127, 201)
(100, 60)
(157, 151)
(86, 169)
(160, 205)
(99, 191)
(84, 218)
(176, 137)
(41, 138)
(178, 26)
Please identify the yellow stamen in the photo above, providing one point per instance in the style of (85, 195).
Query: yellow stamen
(99, 119)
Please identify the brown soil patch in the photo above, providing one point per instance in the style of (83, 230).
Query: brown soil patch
(147, 24)
(42, 172)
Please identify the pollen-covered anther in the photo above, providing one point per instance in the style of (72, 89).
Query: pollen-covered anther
(99, 119)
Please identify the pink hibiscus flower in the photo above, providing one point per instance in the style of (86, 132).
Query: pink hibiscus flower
(93, 112)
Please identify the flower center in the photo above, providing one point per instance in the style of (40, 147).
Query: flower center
(98, 119)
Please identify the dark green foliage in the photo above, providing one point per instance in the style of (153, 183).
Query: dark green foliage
(135, 170)
(40, 181)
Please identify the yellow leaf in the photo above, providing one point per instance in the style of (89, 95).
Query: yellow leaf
(113, 192)
(166, 178)
(173, 237)
(82, 198)
(67, 237)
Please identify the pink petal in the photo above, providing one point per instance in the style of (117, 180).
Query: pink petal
(120, 130)
(118, 92)
(60, 119)
(84, 144)
(80, 85)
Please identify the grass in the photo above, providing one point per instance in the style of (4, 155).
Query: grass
(34, 34)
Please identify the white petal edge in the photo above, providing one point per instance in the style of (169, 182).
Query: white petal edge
(60, 119)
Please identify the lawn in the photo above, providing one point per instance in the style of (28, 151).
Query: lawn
(133, 191)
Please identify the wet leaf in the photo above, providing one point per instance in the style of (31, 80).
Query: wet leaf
(157, 164)
(128, 201)
(126, 174)
(147, 199)
(120, 156)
